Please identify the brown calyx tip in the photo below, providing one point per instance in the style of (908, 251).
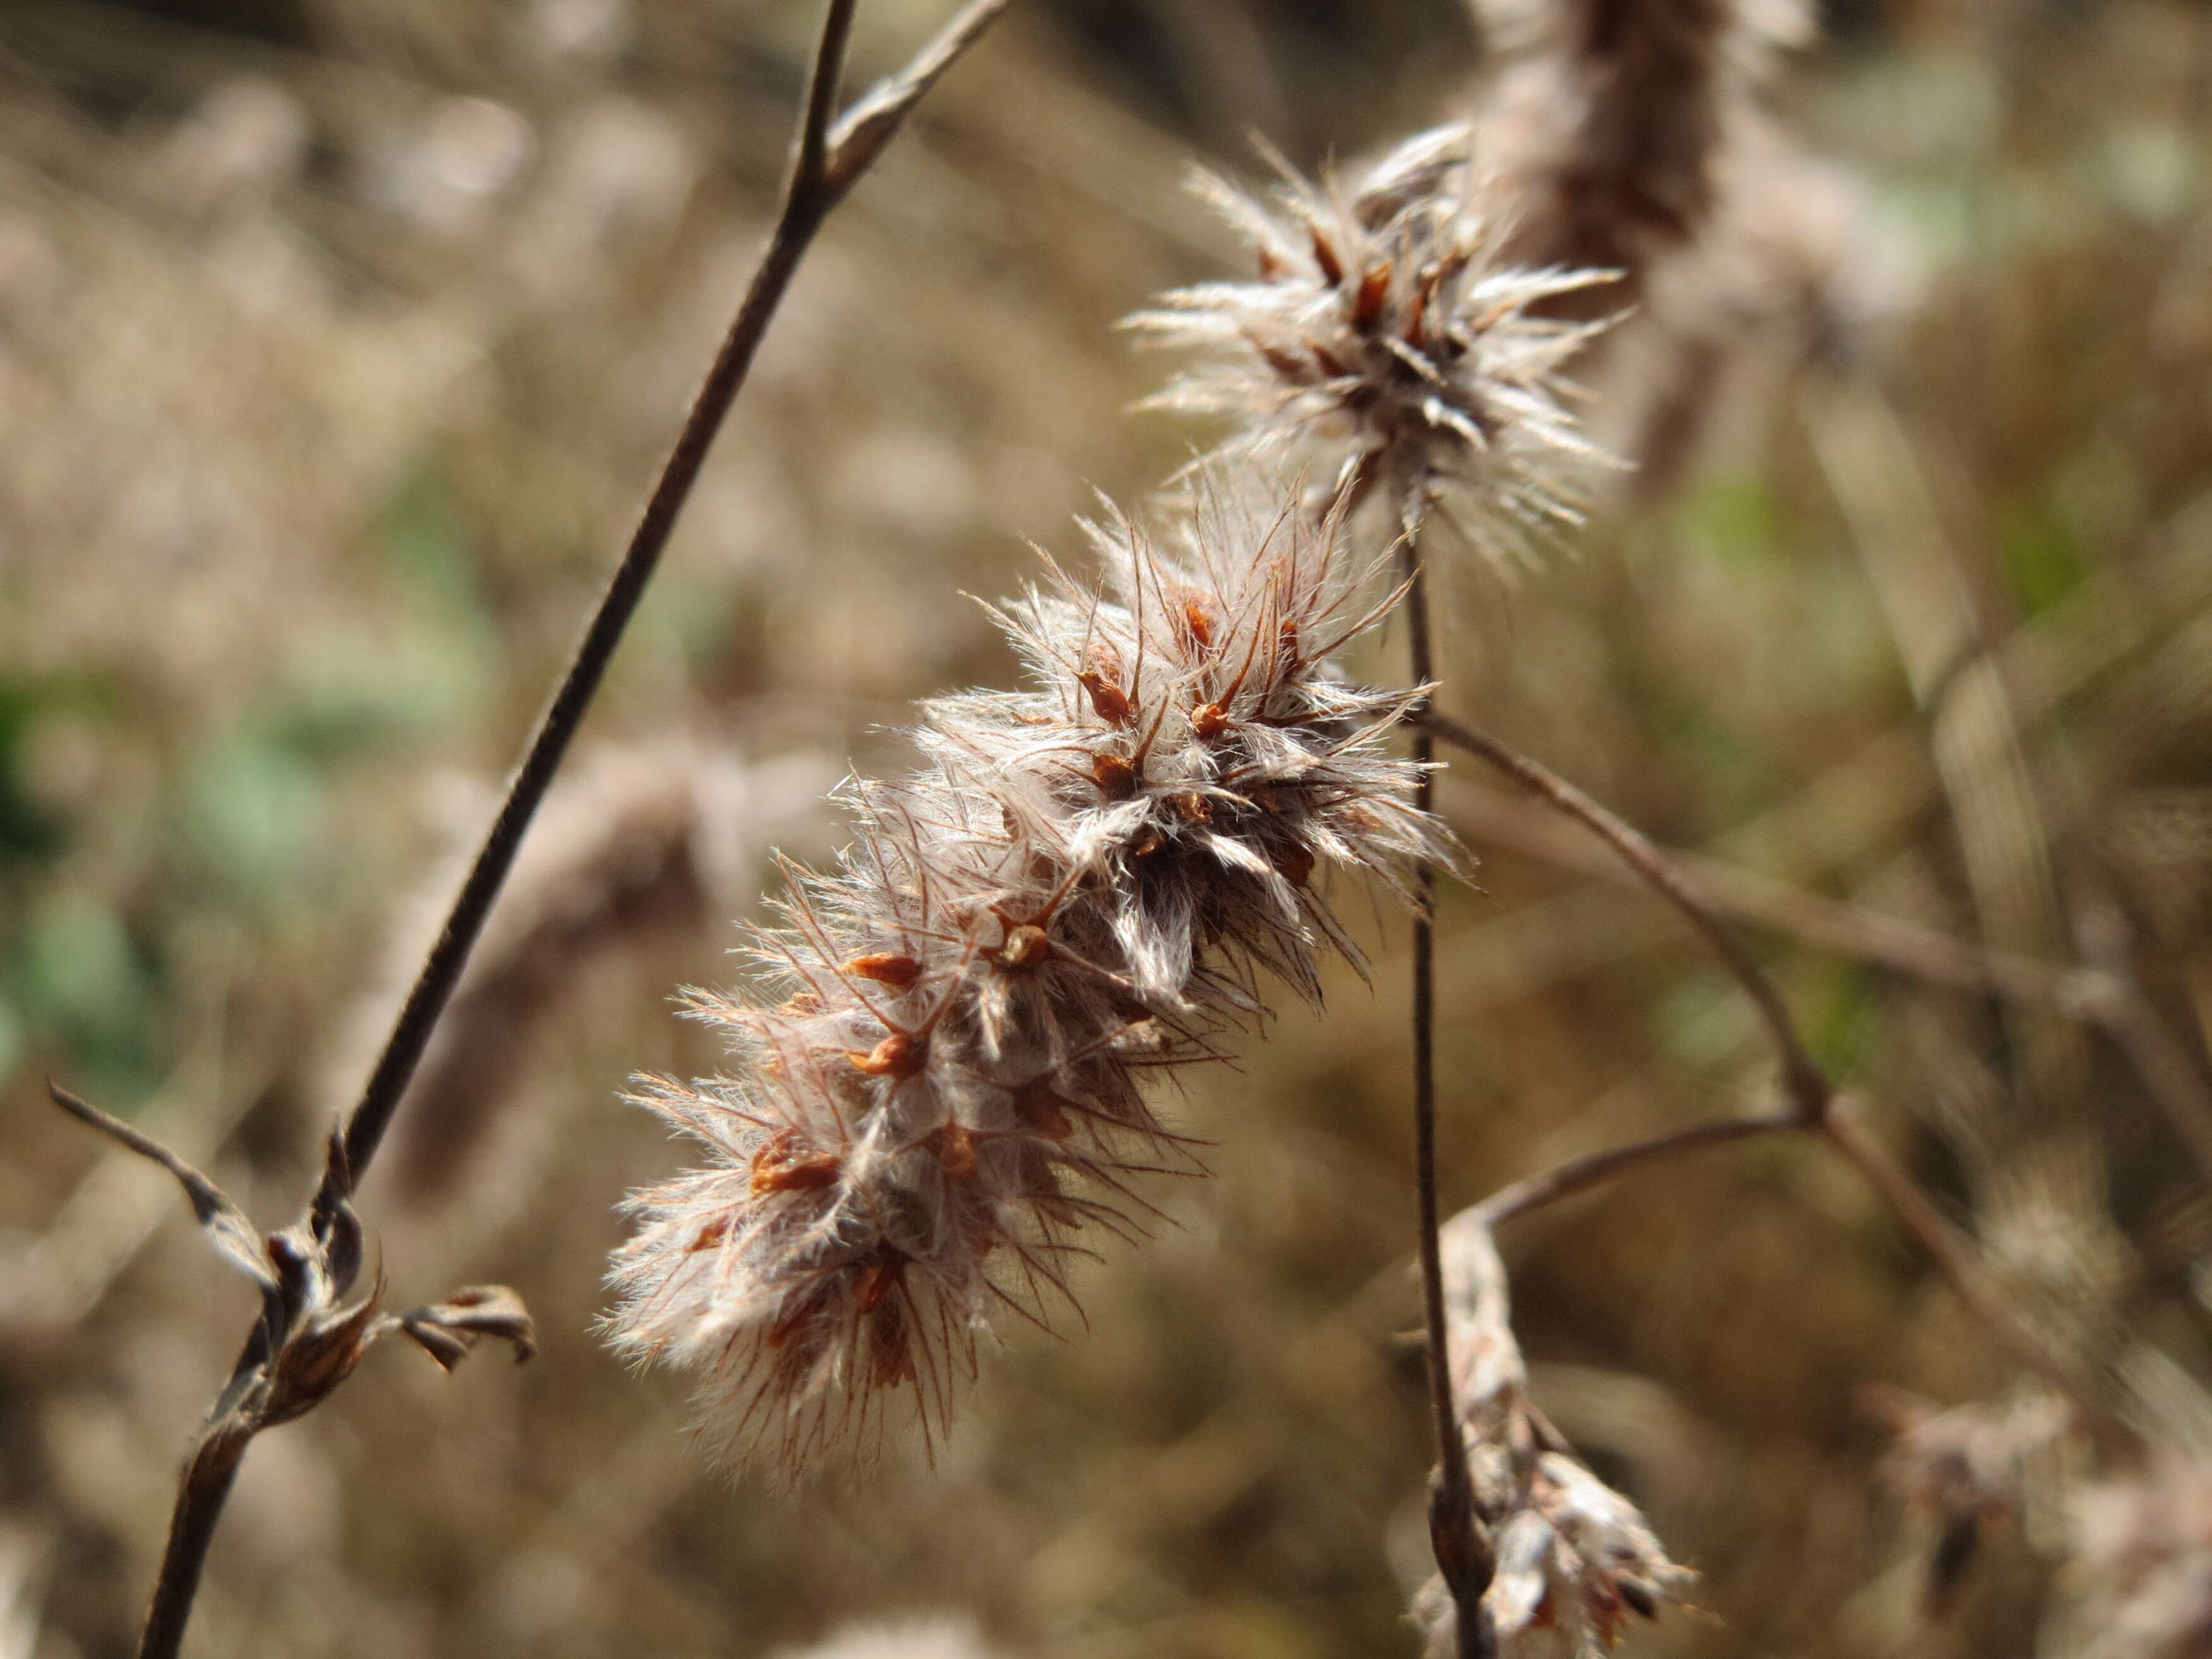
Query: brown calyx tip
(1209, 721)
(891, 968)
(1192, 805)
(1041, 1111)
(1108, 700)
(1326, 256)
(1367, 304)
(1116, 778)
(901, 1055)
(878, 1278)
(783, 1165)
(955, 1150)
(1198, 618)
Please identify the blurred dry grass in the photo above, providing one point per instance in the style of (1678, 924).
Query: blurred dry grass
(337, 339)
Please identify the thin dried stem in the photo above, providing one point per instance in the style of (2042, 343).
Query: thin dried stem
(2105, 998)
(1463, 1553)
(829, 156)
(1807, 1088)
(1815, 1105)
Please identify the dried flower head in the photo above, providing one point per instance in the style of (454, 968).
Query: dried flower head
(937, 1088)
(1383, 324)
(2142, 1570)
(1574, 1558)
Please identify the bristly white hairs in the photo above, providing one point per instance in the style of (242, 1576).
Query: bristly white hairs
(1574, 1557)
(1384, 330)
(1089, 878)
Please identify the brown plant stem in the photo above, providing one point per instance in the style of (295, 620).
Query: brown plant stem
(1804, 1082)
(2105, 998)
(200, 1497)
(1815, 1106)
(828, 156)
(1580, 1174)
(1455, 1531)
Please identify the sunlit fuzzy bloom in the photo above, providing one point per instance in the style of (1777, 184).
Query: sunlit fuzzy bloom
(2141, 1571)
(1384, 327)
(936, 1087)
(1574, 1558)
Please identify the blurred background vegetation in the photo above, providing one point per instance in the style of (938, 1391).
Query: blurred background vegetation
(338, 339)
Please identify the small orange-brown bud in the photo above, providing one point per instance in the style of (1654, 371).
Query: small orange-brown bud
(1148, 843)
(1193, 806)
(1284, 362)
(782, 1165)
(1110, 703)
(1209, 720)
(1326, 256)
(955, 1152)
(891, 968)
(1198, 618)
(1116, 778)
(898, 1055)
(799, 1004)
(878, 1279)
(1025, 946)
(710, 1235)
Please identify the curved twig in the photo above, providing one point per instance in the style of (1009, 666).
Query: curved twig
(1815, 1105)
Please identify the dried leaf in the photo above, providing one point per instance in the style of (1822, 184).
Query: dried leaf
(448, 1330)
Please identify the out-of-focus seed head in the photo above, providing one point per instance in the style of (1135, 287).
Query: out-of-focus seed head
(1382, 326)
(1967, 1469)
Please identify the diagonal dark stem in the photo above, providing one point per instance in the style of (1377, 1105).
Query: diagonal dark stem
(1581, 1174)
(828, 156)
(1808, 1087)
(1815, 1105)
(1461, 1550)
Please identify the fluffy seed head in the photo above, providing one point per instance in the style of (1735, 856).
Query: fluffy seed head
(935, 1090)
(1382, 326)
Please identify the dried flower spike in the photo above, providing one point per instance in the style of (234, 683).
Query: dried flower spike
(1574, 1558)
(1382, 326)
(937, 1087)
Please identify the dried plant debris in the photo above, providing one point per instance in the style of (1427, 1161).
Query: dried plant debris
(1968, 1469)
(310, 1338)
(1384, 324)
(1574, 1558)
(938, 1087)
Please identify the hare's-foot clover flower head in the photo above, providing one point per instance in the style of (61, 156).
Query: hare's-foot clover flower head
(1382, 326)
(936, 1087)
